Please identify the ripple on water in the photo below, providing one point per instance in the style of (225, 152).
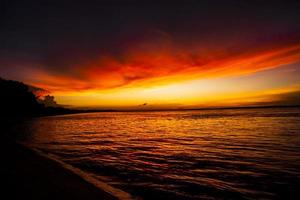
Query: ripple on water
(214, 154)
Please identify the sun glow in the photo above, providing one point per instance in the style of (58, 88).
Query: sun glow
(224, 91)
(162, 79)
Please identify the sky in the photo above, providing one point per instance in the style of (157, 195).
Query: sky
(148, 55)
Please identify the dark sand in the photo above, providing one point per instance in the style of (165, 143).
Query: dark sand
(27, 175)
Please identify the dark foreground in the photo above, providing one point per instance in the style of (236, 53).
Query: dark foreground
(25, 174)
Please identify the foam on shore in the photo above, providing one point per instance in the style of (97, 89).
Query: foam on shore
(115, 192)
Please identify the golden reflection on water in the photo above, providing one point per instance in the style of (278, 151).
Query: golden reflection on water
(188, 154)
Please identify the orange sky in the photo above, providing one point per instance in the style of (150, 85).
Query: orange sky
(162, 67)
(162, 78)
(153, 55)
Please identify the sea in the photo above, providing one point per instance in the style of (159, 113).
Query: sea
(200, 154)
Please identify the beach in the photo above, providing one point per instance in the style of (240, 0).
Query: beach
(26, 174)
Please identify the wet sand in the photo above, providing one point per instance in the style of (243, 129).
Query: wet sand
(27, 175)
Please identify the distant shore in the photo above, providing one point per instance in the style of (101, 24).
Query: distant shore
(27, 174)
(78, 111)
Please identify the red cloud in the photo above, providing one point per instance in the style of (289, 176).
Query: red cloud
(160, 61)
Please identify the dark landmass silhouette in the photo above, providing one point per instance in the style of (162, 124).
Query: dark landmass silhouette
(18, 101)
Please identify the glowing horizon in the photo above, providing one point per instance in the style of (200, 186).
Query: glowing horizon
(227, 58)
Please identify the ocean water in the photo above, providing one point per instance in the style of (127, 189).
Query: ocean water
(205, 154)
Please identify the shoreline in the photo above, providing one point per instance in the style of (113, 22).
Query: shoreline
(32, 174)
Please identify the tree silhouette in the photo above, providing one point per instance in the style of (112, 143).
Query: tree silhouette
(48, 101)
(17, 100)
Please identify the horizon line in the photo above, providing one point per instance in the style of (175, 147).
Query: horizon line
(183, 109)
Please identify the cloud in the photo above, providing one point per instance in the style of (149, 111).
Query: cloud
(288, 98)
(147, 64)
(150, 57)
